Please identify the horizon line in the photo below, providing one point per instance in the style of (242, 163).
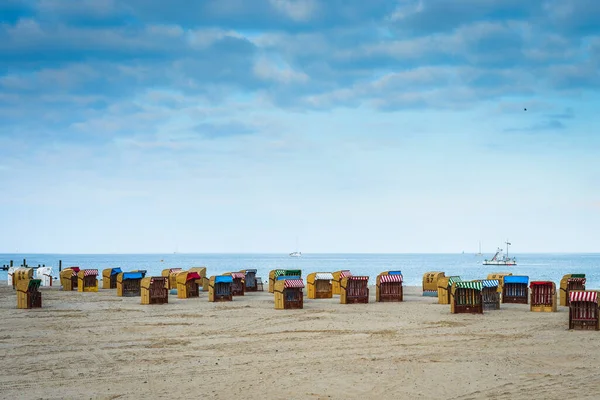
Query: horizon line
(285, 253)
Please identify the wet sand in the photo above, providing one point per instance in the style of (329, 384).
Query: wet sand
(100, 346)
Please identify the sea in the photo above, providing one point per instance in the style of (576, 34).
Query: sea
(538, 267)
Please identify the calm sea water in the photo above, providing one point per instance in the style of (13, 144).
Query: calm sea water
(468, 266)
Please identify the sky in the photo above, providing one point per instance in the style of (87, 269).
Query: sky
(325, 126)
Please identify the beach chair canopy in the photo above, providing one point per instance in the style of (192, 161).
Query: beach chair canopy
(577, 275)
(394, 272)
(293, 283)
(516, 279)
(584, 296)
(133, 275)
(390, 278)
(76, 269)
(174, 269)
(250, 271)
(323, 276)
(279, 272)
(357, 278)
(238, 275)
(490, 283)
(576, 279)
(29, 286)
(223, 279)
(286, 277)
(453, 279)
(293, 272)
(469, 285)
(345, 274)
(115, 271)
(539, 283)
(192, 276)
(90, 272)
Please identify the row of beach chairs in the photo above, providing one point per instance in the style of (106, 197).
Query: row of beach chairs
(487, 294)
(287, 287)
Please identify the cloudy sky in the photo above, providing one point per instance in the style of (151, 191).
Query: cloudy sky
(354, 126)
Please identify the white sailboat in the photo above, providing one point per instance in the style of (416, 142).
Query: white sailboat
(479, 254)
(296, 253)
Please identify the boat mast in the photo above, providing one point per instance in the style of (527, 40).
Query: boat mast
(507, 244)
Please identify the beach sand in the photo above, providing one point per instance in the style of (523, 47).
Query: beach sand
(100, 346)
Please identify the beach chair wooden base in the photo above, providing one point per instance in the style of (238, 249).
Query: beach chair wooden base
(542, 308)
(468, 309)
(357, 299)
(515, 300)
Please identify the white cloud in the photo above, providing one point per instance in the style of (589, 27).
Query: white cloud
(268, 69)
(298, 10)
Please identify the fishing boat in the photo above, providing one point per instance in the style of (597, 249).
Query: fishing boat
(500, 258)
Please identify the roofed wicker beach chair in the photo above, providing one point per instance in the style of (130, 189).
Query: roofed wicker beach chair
(238, 285)
(430, 283)
(129, 284)
(87, 280)
(583, 310)
(319, 285)
(466, 297)
(388, 287)
(154, 290)
(444, 286)
(490, 294)
(337, 280)
(288, 293)
(109, 278)
(570, 282)
(515, 289)
(68, 278)
(249, 280)
(219, 288)
(28, 294)
(354, 289)
(188, 284)
(543, 296)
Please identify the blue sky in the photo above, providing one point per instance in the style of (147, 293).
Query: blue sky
(355, 126)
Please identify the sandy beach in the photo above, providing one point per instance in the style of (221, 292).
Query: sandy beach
(100, 346)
